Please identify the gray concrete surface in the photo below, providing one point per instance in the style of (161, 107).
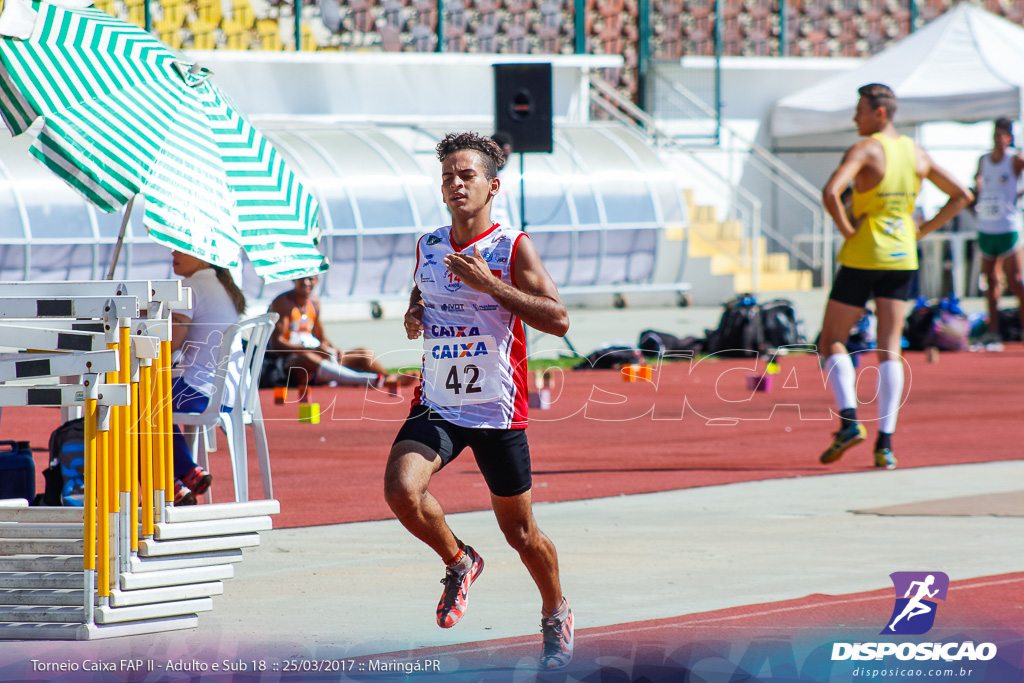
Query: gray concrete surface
(623, 559)
(354, 590)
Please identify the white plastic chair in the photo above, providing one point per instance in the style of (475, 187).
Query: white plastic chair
(245, 411)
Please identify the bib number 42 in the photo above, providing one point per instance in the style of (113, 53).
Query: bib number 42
(471, 375)
(458, 373)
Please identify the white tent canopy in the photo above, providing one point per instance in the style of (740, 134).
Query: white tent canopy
(967, 65)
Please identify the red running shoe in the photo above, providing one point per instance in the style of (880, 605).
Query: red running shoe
(456, 589)
(198, 480)
(182, 496)
(558, 640)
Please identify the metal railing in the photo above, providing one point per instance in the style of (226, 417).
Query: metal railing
(743, 204)
(782, 178)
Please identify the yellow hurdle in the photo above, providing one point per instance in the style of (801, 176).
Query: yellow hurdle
(165, 398)
(146, 442)
(89, 561)
(133, 468)
(156, 408)
(127, 425)
(127, 537)
(113, 445)
(103, 515)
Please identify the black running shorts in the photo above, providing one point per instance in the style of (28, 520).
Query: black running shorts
(503, 455)
(854, 286)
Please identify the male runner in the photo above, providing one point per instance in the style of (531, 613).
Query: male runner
(998, 184)
(877, 260)
(476, 284)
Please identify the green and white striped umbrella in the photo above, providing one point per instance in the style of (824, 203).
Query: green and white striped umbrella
(124, 115)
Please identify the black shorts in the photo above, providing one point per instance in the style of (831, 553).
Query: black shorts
(503, 455)
(854, 286)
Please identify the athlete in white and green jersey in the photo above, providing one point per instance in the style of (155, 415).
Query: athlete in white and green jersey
(998, 184)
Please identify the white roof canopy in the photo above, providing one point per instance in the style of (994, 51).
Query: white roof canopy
(967, 65)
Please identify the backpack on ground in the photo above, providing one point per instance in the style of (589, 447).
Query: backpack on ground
(65, 478)
(917, 326)
(1009, 324)
(17, 470)
(782, 324)
(864, 333)
(740, 333)
(611, 357)
(949, 331)
(942, 325)
(655, 344)
(274, 372)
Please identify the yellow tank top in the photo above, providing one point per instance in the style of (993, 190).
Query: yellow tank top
(887, 237)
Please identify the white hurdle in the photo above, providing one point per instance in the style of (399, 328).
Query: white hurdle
(127, 562)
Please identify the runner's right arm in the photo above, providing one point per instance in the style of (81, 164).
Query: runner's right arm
(533, 299)
(414, 314)
(831, 196)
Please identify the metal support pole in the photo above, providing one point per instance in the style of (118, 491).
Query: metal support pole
(580, 22)
(148, 17)
(298, 25)
(783, 45)
(643, 56)
(913, 15)
(124, 225)
(440, 25)
(522, 193)
(719, 18)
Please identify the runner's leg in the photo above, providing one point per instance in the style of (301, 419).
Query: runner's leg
(835, 330)
(516, 521)
(406, 477)
(1013, 266)
(991, 273)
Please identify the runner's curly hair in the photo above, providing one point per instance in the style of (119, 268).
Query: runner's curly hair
(489, 150)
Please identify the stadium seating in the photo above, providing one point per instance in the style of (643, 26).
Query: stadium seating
(679, 27)
(267, 34)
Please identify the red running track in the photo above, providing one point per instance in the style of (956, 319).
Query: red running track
(786, 640)
(694, 425)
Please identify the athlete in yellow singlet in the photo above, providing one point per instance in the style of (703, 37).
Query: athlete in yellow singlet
(887, 235)
(878, 260)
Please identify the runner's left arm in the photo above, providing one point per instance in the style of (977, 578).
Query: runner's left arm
(534, 298)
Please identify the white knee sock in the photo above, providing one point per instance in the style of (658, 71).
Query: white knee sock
(890, 394)
(330, 371)
(843, 379)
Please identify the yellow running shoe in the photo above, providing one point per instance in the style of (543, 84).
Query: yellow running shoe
(884, 459)
(842, 440)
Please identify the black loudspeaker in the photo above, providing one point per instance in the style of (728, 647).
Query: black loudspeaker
(522, 105)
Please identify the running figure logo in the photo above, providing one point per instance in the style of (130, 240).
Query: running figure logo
(914, 612)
